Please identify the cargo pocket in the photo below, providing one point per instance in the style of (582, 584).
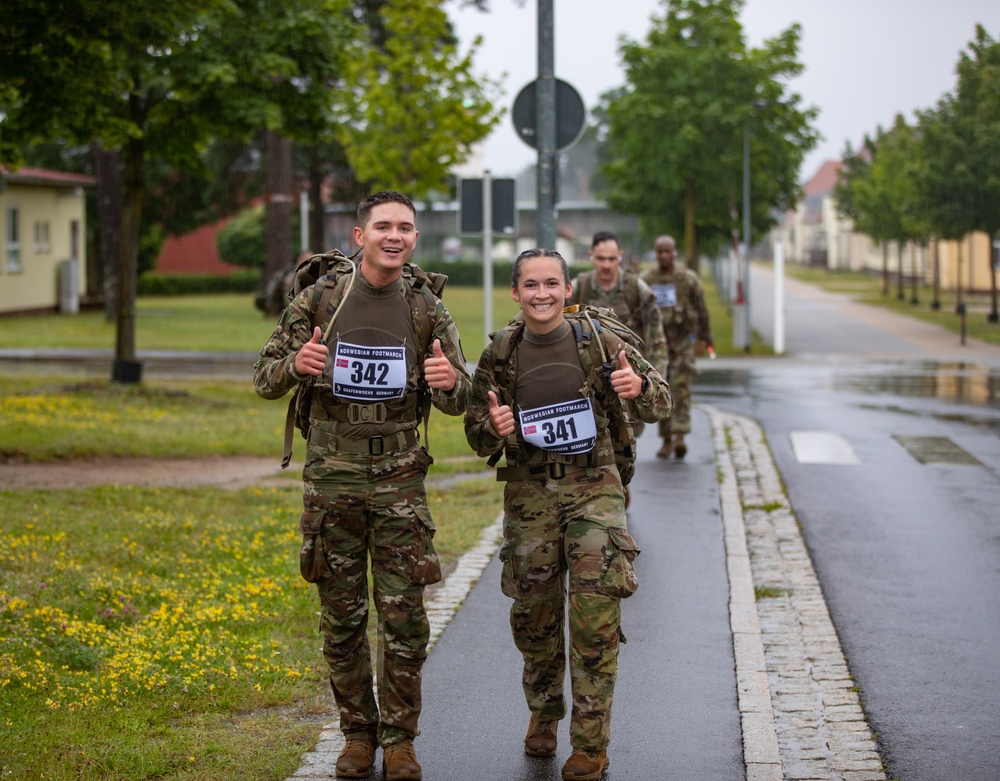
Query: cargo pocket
(425, 567)
(508, 574)
(618, 578)
(312, 558)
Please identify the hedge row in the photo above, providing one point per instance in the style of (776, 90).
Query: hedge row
(460, 274)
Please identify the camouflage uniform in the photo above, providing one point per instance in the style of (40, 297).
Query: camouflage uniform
(566, 545)
(635, 305)
(681, 324)
(364, 493)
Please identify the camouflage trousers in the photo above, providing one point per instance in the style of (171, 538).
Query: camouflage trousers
(566, 550)
(356, 505)
(679, 374)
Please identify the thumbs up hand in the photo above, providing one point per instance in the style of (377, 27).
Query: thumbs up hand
(624, 381)
(501, 416)
(438, 371)
(311, 358)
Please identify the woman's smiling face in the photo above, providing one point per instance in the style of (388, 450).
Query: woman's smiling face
(541, 291)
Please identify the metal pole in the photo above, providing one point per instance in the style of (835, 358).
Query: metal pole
(487, 256)
(746, 234)
(779, 298)
(545, 111)
(304, 222)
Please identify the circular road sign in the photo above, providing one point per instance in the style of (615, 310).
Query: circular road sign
(570, 115)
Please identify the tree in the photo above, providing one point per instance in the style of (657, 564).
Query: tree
(415, 107)
(154, 83)
(674, 136)
(977, 112)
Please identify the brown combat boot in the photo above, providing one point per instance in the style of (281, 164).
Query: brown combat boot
(356, 758)
(399, 762)
(680, 449)
(585, 766)
(541, 738)
(665, 448)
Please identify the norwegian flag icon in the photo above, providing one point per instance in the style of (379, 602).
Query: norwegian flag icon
(342, 363)
(530, 429)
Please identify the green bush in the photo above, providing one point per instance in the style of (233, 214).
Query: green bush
(241, 240)
(188, 284)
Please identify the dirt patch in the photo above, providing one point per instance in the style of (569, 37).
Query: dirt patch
(221, 472)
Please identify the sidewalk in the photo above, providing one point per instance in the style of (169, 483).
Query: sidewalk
(716, 681)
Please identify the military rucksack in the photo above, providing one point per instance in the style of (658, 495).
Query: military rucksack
(589, 325)
(581, 293)
(331, 276)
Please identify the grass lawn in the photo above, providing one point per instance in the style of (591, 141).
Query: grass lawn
(166, 633)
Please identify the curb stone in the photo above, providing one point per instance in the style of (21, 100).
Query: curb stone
(801, 715)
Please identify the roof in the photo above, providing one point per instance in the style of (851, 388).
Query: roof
(824, 179)
(44, 176)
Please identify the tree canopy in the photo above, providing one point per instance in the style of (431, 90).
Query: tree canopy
(673, 139)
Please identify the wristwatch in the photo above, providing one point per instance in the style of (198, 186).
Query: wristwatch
(645, 385)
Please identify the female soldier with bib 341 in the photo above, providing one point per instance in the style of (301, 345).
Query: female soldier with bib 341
(565, 535)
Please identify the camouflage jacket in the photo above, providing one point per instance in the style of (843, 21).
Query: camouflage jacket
(690, 315)
(634, 304)
(653, 405)
(275, 375)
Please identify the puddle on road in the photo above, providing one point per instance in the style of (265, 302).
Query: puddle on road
(969, 383)
(937, 450)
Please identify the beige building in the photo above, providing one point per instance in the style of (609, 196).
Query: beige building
(815, 234)
(43, 259)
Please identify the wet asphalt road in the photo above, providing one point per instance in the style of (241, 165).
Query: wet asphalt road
(908, 553)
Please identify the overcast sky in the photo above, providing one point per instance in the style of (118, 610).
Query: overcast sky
(865, 60)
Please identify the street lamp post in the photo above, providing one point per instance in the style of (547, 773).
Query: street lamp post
(746, 234)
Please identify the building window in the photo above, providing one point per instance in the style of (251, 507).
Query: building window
(13, 240)
(42, 245)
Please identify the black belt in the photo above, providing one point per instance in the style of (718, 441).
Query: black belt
(375, 446)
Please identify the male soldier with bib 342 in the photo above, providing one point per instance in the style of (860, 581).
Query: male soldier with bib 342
(368, 380)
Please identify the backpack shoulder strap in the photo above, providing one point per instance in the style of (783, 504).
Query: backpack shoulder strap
(502, 346)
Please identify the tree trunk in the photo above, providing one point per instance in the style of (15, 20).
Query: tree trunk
(936, 302)
(317, 237)
(690, 233)
(885, 268)
(958, 280)
(133, 188)
(992, 317)
(109, 210)
(278, 210)
(913, 271)
(899, 270)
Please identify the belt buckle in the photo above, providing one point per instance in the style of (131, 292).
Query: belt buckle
(366, 413)
(372, 442)
(557, 470)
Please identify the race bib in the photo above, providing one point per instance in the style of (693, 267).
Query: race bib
(568, 427)
(369, 373)
(666, 295)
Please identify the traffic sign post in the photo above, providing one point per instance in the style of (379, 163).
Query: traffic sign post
(487, 206)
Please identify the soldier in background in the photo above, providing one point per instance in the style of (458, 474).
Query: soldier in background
(364, 476)
(681, 300)
(610, 285)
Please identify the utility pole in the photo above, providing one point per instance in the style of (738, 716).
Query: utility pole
(546, 127)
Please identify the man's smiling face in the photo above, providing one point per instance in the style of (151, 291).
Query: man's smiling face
(388, 238)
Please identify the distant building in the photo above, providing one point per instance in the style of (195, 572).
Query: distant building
(43, 256)
(815, 234)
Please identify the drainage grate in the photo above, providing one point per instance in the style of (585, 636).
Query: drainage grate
(937, 450)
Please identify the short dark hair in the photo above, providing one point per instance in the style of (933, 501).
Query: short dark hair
(528, 254)
(602, 236)
(366, 205)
